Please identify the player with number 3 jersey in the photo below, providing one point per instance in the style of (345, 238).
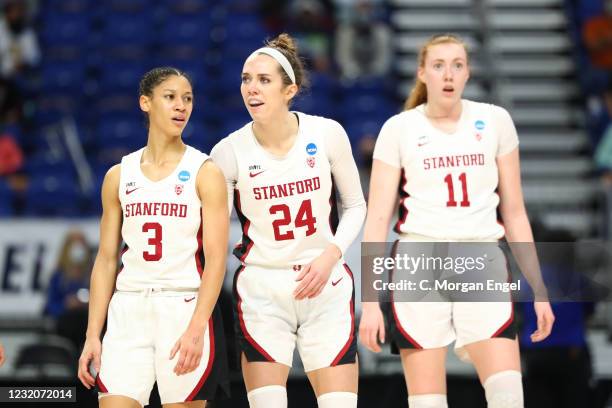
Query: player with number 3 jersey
(168, 202)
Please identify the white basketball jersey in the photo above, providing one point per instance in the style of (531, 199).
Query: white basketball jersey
(284, 204)
(449, 181)
(162, 226)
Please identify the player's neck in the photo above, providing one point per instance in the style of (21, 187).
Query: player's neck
(438, 111)
(163, 148)
(278, 134)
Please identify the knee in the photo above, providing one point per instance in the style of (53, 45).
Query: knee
(504, 390)
(271, 396)
(337, 400)
(427, 401)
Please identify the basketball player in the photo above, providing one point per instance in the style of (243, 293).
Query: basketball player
(450, 200)
(293, 287)
(168, 203)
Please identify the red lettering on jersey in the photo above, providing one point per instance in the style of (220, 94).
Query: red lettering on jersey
(287, 189)
(147, 208)
(441, 162)
(183, 211)
(173, 209)
(165, 209)
(273, 193)
(138, 209)
(308, 184)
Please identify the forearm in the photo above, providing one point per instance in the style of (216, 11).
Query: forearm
(101, 290)
(520, 240)
(208, 293)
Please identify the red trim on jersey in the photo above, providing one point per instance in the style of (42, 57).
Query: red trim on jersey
(242, 249)
(123, 251)
(507, 323)
(199, 254)
(402, 210)
(211, 358)
(348, 343)
(100, 384)
(401, 329)
(245, 332)
(395, 316)
(511, 318)
(333, 211)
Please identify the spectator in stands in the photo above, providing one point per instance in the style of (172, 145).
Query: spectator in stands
(11, 156)
(603, 153)
(313, 24)
(18, 44)
(19, 51)
(1, 355)
(68, 292)
(363, 43)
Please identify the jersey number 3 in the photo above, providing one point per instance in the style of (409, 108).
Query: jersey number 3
(155, 241)
(304, 218)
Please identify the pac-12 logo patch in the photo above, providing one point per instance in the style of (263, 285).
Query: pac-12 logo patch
(184, 175)
(311, 149)
(310, 161)
(479, 124)
(178, 189)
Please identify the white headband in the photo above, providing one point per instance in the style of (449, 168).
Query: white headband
(279, 57)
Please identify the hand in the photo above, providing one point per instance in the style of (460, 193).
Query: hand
(371, 326)
(546, 318)
(1, 355)
(190, 345)
(90, 355)
(314, 276)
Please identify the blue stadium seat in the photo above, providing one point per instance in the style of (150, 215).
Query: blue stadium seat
(121, 131)
(52, 195)
(63, 76)
(66, 30)
(121, 76)
(191, 29)
(121, 30)
(68, 6)
(6, 199)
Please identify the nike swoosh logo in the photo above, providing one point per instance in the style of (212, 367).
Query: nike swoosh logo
(127, 192)
(336, 282)
(189, 300)
(256, 174)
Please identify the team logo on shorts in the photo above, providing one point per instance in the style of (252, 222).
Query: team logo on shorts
(184, 175)
(479, 124)
(178, 189)
(311, 149)
(310, 161)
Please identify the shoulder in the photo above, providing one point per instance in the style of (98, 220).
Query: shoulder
(476, 108)
(209, 170)
(318, 122)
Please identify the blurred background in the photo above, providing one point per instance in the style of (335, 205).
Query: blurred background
(69, 73)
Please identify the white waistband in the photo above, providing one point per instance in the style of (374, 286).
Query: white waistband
(158, 291)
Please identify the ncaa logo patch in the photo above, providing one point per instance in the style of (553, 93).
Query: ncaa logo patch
(311, 149)
(479, 124)
(184, 175)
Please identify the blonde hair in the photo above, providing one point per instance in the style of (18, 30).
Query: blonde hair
(418, 94)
